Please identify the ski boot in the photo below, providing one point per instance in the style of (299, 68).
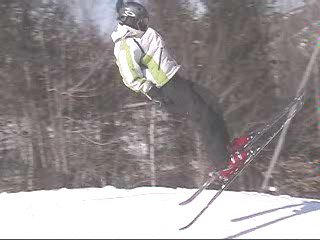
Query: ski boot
(237, 159)
(240, 142)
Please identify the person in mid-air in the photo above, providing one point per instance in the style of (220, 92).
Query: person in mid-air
(147, 67)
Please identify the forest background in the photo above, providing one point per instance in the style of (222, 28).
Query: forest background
(67, 120)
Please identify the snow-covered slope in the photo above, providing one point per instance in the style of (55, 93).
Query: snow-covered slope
(154, 213)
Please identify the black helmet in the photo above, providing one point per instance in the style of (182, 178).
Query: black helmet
(134, 15)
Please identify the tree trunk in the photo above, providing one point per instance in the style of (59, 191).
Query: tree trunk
(152, 145)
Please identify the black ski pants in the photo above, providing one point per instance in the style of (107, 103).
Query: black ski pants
(180, 96)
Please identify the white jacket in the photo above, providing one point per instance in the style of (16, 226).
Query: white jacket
(142, 58)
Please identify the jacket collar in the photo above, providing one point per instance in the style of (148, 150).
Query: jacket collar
(124, 31)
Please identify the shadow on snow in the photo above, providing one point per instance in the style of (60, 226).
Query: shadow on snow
(306, 207)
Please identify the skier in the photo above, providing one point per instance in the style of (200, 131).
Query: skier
(148, 68)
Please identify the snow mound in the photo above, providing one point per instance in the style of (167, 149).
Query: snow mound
(153, 212)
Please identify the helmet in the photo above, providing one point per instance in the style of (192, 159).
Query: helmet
(134, 15)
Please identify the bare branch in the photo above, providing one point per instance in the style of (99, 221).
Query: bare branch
(96, 143)
(228, 91)
(72, 95)
(246, 101)
(94, 68)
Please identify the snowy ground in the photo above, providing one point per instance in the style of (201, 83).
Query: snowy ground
(154, 213)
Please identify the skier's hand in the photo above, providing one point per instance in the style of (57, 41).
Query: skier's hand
(155, 95)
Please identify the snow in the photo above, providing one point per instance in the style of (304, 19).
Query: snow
(153, 212)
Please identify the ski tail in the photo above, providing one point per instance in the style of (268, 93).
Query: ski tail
(297, 101)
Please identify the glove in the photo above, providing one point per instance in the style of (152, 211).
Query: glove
(155, 93)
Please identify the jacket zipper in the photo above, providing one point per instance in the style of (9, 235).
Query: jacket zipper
(160, 58)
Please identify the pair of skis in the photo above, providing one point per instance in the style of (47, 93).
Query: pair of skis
(289, 112)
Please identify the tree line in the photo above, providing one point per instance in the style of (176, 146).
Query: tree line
(67, 120)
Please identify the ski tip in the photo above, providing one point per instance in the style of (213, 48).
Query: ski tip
(190, 224)
(183, 203)
(183, 228)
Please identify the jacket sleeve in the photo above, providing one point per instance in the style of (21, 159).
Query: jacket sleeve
(128, 62)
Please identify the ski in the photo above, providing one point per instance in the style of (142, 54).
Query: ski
(206, 184)
(257, 136)
(292, 113)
